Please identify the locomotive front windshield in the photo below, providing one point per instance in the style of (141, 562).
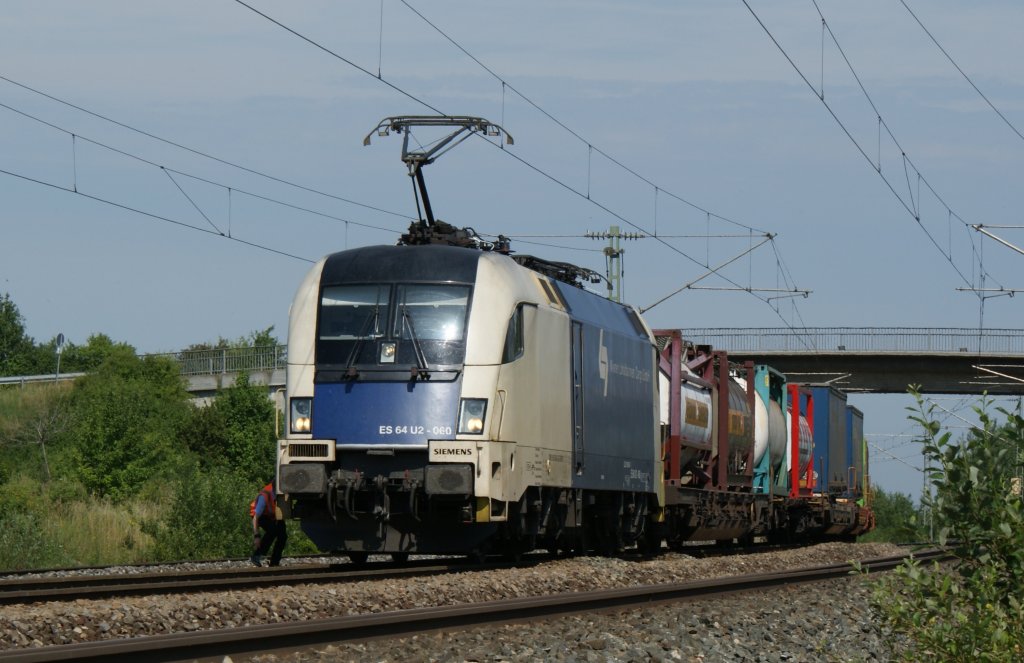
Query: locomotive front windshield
(389, 325)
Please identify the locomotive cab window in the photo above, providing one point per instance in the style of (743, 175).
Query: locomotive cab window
(392, 326)
(351, 312)
(433, 316)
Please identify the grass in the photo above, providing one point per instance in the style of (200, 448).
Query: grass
(96, 532)
(54, 525)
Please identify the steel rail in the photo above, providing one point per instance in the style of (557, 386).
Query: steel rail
(262, 638)
(18, 588)
(15, 573)
(65, 588)
(690, 548)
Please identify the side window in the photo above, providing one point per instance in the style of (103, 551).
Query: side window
(514, 342)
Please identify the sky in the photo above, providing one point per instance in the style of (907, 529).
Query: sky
(683, 120)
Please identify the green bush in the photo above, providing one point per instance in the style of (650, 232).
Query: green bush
(970, 609)
(895, 517)
(237, 430)
(298, 542)
(23, 494)
(17, 349)
(208, 517)
(124, 424)
(26, 542)
(33, 420)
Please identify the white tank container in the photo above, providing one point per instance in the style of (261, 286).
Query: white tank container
(769, 430)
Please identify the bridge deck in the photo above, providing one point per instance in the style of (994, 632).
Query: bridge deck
(883, 359)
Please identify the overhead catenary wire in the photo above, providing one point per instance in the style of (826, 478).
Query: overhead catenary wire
(691, 283)
(912, 207)
(152, 215)
(168, 170)
(515, 156)
(231, 189)
(590, 146)
(662, 235)
(658, 239)
(962, 72)
(895, 458)
(197, 152)
(591, 149)
(189, 198)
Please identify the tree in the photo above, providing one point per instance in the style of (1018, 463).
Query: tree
(970, 610)
(259, 338)
(41, 416)
(17, 349)
(236, 430)
(89, 357)
(896, 518)
(207, 517)
(126, 419)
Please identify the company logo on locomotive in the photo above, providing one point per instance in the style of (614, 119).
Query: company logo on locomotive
(606, 367)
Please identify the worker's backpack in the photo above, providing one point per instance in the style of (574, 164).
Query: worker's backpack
(268, 494)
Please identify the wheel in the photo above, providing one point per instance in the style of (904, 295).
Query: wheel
(358, 557)
(400, 557)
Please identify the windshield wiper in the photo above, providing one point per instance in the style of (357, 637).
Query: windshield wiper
(421, 360)
(350, 370)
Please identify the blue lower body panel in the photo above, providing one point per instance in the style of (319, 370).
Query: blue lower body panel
(386, 413)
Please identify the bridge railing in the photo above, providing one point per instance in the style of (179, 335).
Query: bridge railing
(230, 360)
(860, 339)
(22, 380)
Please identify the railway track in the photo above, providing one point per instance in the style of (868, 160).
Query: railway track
(73, 587)
(24, 573)
(297, 635)
(40, 585)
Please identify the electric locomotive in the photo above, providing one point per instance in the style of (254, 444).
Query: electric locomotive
(448, 399)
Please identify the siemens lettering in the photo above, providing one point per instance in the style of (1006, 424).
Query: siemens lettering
(440, 451)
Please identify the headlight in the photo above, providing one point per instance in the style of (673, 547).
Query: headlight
(472, 412)
(300, 415)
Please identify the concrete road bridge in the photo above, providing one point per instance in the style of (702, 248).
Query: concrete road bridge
(882, 359)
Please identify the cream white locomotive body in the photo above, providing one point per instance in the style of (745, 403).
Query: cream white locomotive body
(445, 399)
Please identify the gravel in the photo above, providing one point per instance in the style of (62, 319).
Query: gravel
(824, 622)
(819, 622)
(170, 567)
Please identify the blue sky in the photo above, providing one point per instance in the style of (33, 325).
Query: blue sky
(693, 96)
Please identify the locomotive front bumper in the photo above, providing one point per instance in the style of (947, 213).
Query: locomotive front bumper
(316, 467)
(302, 465)
(305, 478)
